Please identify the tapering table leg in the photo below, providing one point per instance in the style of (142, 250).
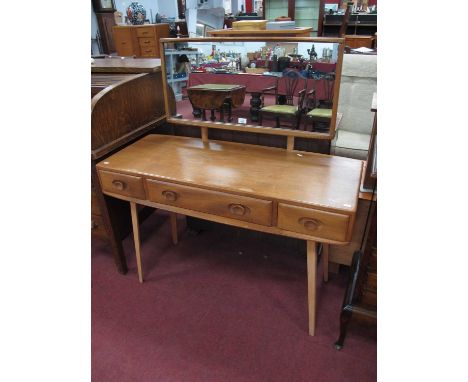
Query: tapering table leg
(136, 238)
(311, 283)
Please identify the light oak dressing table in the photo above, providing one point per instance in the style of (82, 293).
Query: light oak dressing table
(285, 192)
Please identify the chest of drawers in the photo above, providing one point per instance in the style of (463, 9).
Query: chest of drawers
(139, 40)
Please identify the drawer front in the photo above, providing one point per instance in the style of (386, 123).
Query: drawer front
(148, 51)
(312, 222)
(147, 41)
(123, 42)
(124, 48)
(145, 32)
(212, 202)
(97, 226)
(122, 184)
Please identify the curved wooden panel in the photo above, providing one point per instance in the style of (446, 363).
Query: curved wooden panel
(125, 110)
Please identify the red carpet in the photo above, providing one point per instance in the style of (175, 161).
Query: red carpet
(215, 308)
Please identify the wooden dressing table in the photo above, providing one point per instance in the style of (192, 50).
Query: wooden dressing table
(285, 192)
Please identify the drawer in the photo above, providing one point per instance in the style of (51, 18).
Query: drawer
(148, 51)
(244, 208)
(147, 41)
(145, 32)
(97, 226)
(312, 222)
(121, 184)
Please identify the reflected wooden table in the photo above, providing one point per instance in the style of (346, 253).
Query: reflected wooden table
(216, 97)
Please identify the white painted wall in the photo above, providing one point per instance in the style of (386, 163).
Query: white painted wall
(168, 8)
(94, 29)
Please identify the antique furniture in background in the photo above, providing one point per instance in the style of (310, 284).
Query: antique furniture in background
(216, 97)
(139, 40)
(104, 11)
(240, 185)
(296, 45)
(370, 175)
(353, 41)
(360, 300)
(296, 32)
(355, 38)
(358, 25)
(320, 114)
(257, 83)
(126, 103)
(295, 83)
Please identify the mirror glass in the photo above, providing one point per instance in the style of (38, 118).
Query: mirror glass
(280, 84)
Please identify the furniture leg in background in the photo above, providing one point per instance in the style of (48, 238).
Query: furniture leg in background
(109, 224)
(174, 234)
(255, 105)
(136, 238)
(325, 252)
(311, 283)
(136, 235)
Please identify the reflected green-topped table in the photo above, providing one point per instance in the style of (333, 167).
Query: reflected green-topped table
(215, 97)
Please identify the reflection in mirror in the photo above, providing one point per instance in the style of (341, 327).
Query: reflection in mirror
(275, 84)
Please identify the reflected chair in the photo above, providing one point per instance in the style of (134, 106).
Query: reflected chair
(320, 110)
(293, 80)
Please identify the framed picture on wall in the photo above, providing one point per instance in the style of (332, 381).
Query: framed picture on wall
(331, 7)
(104, 6)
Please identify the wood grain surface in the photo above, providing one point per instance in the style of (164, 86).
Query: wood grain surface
(126, 65)
(322, 181)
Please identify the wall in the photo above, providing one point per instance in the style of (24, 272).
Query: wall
(168, 8)
(307, 13)
(94, 29)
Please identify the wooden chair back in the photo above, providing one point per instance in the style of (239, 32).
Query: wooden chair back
(328, 85)
(293, 79)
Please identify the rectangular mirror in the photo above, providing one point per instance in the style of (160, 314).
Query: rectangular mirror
(268, 84)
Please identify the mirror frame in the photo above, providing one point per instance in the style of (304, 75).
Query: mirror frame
(205, 125)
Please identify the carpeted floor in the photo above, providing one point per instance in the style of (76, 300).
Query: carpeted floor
(217, 308)
(184, 107)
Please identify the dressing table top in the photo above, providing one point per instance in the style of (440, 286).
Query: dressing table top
(327, 182)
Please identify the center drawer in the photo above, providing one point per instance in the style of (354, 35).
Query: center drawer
(244, 208)
(147, 41)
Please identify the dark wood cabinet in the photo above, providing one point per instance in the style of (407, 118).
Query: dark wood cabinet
(106, 22)
(358, 24)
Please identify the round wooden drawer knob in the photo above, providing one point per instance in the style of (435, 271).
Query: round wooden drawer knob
(119, 185)
(170, 196)
(237, 209)
(310, 224)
